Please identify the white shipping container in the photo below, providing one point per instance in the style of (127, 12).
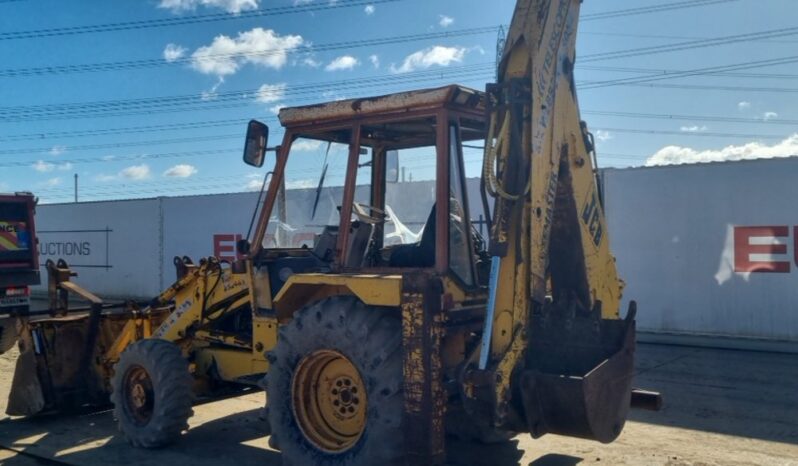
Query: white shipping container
(709, 249)
(113, 246)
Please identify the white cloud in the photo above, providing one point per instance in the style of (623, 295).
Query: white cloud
(332, 95)
(57, 150)
(42, 166)
(230, 6)
(276, 109)
(674, 155)
(258, 46)
(52, 182)
(446, 21)
(369, 10)
(693, 129)
(769, 116)
(302, 184)
(136, 172)
(105, 178)
(270, 93)
(181, 171)
(602, 135)
(173, 52)
(375, 60)
(346, 62)
(306, 145)
(432, 56)
(302, 2)
(254, 182)
(45, 167)
(744, 105)
(311, 62)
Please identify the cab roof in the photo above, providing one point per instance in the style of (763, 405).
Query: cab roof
(450, 96)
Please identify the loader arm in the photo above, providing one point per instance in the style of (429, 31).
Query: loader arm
(552, 274)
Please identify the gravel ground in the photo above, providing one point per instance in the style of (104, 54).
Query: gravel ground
(722, 408)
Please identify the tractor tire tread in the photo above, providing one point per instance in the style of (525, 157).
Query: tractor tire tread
(173, 393)
(371, 338)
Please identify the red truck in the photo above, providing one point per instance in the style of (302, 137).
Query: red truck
(19, 260)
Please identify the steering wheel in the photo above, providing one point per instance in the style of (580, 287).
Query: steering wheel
(361, 211)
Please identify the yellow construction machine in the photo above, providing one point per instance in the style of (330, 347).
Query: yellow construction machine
(371, 351)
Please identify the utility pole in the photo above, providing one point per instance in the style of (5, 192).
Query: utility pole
(76, 188)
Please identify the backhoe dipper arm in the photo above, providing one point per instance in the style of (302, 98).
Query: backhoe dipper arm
(548, 235)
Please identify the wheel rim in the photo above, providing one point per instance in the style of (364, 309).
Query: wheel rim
(138, 395)
(329, 401)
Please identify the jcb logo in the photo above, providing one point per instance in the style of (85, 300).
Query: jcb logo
(764, 249)
(592, 220)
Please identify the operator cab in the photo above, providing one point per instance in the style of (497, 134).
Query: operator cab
(373, 186)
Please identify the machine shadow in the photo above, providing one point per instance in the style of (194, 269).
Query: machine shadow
(739, 393)
(461, 453)
(94, 440)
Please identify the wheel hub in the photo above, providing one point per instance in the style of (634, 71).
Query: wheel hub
(329, 401)
(139, 396)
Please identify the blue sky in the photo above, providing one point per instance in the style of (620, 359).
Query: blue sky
(186, 137)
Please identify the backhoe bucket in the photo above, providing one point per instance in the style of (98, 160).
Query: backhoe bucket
(578, 379)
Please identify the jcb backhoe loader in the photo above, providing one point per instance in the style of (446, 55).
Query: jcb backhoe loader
(371, 352)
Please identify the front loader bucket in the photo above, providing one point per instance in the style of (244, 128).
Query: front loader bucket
(578, 378)
(26, 397)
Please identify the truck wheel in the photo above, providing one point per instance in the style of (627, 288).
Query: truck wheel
(334, 386)
(152, 393)
(8, 334)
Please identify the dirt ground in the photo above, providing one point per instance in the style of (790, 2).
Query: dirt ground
(722, 408)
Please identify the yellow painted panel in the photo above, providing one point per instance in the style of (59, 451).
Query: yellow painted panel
(374, 290)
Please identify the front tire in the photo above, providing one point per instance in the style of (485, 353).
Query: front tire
(152, 393)
(334, 387)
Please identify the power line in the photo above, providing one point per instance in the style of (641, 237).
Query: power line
(689, 45)
(655, 71)
(135, 157)
(665, 36)
(700, 87)
(718, 119)
(157, 62)
(478, 71)
(183, 20)
(652, 9)
(124, 130)
(695, 72)
(202, 102)
(695, 133)
(115, 145)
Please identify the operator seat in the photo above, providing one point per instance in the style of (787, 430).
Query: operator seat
(421, 254)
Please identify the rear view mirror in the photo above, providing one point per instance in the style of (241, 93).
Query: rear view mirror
(392, 166)
(256, 143)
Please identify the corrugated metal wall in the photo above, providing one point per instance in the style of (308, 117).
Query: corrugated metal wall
(704, 249)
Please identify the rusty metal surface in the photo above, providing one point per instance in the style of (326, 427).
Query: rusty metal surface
(578, 376)
(352, 108)
(425, 398)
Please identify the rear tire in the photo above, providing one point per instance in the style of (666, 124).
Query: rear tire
(337, 339)
(8, 334)
(152, 393)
